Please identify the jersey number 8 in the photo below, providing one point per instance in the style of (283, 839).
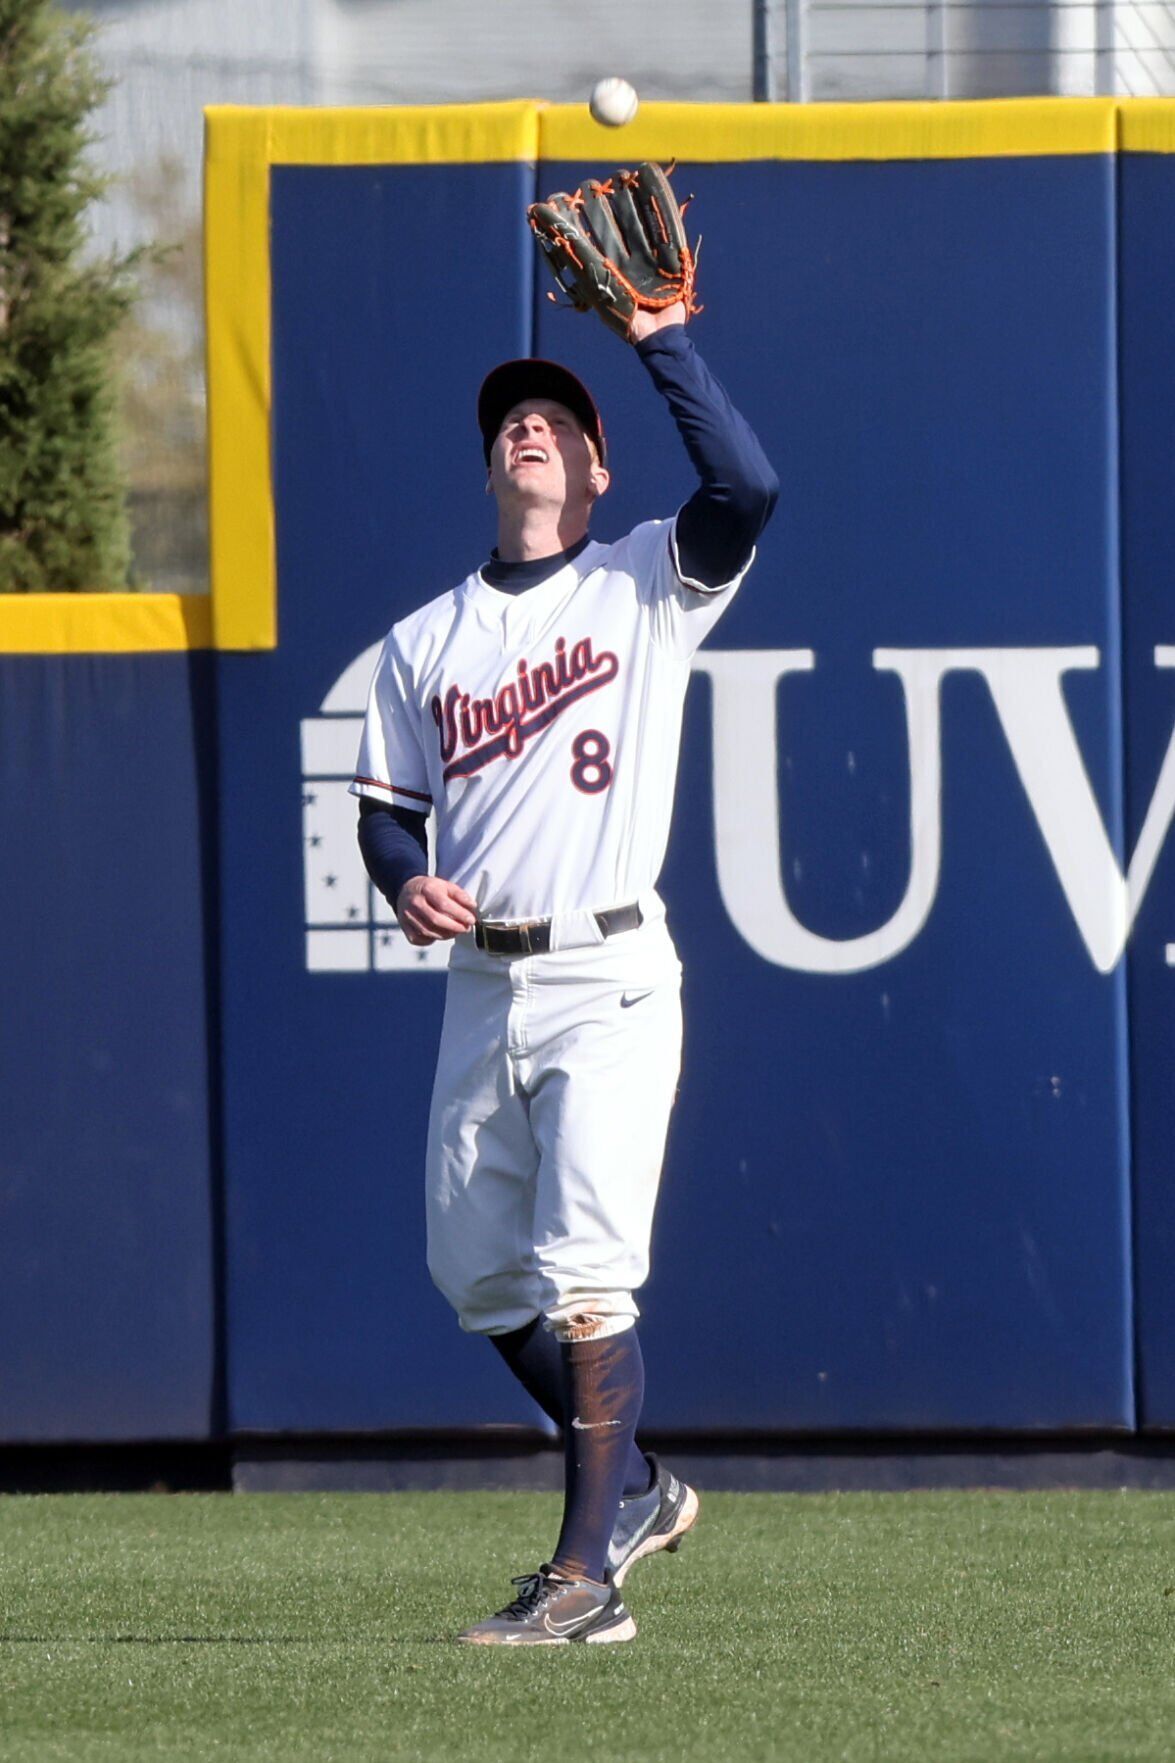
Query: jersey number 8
(591, 772)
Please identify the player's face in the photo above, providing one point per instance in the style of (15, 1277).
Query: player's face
(542, 454)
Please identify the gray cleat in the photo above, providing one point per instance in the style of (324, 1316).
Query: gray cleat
(652, 1521)
(551, 1612)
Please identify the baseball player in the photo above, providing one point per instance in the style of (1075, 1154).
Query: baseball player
(536, 708)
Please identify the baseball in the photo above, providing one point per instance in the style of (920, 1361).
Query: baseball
(613, 102)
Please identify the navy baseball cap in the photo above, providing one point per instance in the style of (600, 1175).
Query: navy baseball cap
(513, 381)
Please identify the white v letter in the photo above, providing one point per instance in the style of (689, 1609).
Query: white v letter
(1030, 702)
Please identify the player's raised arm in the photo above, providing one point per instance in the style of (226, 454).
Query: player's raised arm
(619, 247)
(718, 526)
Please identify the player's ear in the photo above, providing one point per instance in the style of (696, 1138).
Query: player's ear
(599, 480)
(490, 482)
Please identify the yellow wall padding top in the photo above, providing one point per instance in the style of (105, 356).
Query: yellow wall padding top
(1146, 125)
(991, 128)
(95, 624)
(422, 134)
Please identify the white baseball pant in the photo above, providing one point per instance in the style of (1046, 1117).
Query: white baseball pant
(555, 1079)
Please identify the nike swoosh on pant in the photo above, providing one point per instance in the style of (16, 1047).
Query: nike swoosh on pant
(591, 1425)
(626, 1003)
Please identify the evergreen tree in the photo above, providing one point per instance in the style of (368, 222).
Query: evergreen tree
(63, 522)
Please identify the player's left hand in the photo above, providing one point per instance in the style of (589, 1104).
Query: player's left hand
(643, 324)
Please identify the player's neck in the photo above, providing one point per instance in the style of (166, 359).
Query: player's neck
(527, 534)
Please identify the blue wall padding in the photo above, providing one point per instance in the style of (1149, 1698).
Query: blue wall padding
(1147, 303)
(936, 1194)
(379, 481)
(897, 1198)
(106, 1177)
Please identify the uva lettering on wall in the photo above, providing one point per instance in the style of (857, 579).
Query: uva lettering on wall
(349, 926)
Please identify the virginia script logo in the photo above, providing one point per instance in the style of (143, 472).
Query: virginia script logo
(499, 727)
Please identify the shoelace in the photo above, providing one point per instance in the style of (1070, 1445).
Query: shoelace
(534, 1587)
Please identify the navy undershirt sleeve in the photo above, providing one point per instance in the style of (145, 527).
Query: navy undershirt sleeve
(394, 844)
(718, 526)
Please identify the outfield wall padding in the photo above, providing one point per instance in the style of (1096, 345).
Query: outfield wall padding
(898, 1192)
(919, 1176)
(108, 1240)
(1146, 293)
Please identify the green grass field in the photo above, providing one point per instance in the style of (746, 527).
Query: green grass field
(855, 1626)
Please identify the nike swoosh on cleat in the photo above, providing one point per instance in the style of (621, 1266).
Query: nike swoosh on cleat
(590, 1425)
(562, 1628)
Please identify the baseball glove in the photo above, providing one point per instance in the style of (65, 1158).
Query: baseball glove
(618, 247)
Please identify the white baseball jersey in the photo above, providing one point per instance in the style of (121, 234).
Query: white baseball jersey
(544, 726)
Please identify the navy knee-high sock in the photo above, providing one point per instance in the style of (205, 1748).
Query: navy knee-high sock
(603, 1388)
(536, 1359)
